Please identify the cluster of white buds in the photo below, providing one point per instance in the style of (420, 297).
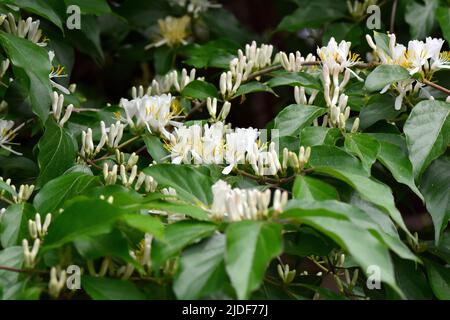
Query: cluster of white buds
(147, 181)
(28, 29)
(57, 281)
(294, 62)
(264, 162)
(110, 176)
(300, 95)
(255, 58)
(127, 181)
(211, 105)
(296, 162)
(333, 88)
(286, 275)
(36, 228)
(111, 136)
(57, 107)
(25, 192)
(132, 159)
(228, 85)
(243, 204)
(339, 115)
(30, 255)
(166, 83)
(4, 67)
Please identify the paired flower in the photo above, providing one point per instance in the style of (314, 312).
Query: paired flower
(7, 134)
(57, 72)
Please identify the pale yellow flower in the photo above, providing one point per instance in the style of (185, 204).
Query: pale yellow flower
(173, 31)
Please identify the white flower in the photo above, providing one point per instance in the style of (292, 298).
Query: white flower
(26, 29)
(238, 144)
(336, 55)
(57, 72)
(7, 134)
(152, 112)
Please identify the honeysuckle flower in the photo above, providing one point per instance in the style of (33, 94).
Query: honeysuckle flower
(300, 96)
(4, 67)
(30, 255)
(57, 72)
(7, 134)
(338, 56)
(173, 31)
(151, 112)
(294, 62)
(110, 176)
(238, 144)
(57, 282)
(36, 228)
(26, 29)
(243, 204)
(228, 85)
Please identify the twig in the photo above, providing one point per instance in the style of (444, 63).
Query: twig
(6, 268)
(393, 14)
(436, 86)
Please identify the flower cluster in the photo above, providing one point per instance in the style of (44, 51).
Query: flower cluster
(57, 107)
(244, 204)
(196, 6)
(151, 112)
(218, 144)
(419, 57)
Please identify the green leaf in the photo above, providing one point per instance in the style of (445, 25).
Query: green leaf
(177, 236)
(427, 131)
(306, 242)
(53, 195)
(395, 159)
(145, 223)
(251, 245)
(253, 86)
(200, 90)
(308, 188)
(421, 17)
(435, 187)
(57, 151)
(112, 244)
(31, 61)
(331, 218)
(312, 136)
(10, 257)
(439, 279)
(82, 217)
(202, 269)
(97, 7)
(295, 117)
(7, 188)
(443, 17)
(331, 156)
(14, 225)
(382, 41)
(312, 15)
(364, 147)
(379, 107)
(110, 289)
(384, 75)
(181, 177)
(294, 79)
(155, 147)
(39, 7)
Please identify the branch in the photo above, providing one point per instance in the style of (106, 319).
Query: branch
(436, 86)
(6, 268)
(393, 14)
